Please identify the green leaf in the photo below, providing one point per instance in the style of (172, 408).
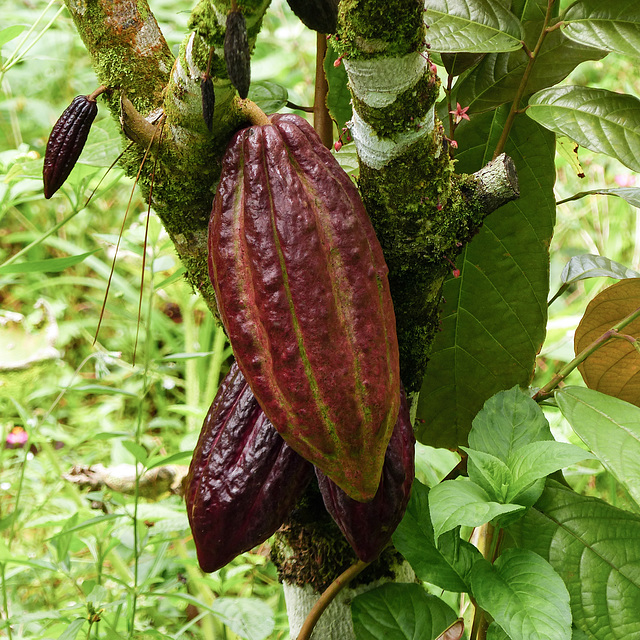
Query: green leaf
(524, 595)
(71, 632)
(600, 120)
(269, 96)
(11, 33)
(490, 473)
(496, 632)
(248, 618)
(136, 450)
(446, 565)
(630, 194)
(460, 502)
(88, 523)
(494, 317)
(497, 78)
(538, 460)
(46, 266)
(593, 546)
(397, 611)
(174, 458)
(614, 26)
(339, 96)
(471, 26)
(508, 421)
(592, 266)
(610, 428)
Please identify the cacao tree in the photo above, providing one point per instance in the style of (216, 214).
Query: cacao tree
(454, 109)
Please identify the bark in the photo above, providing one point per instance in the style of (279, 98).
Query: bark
(423, 212)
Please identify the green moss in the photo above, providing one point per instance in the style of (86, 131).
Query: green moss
(368, 28)
(311, 527)
(410, 106)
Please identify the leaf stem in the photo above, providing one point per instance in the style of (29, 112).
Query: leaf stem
(515, 105)
(614, 332)
(328, 596)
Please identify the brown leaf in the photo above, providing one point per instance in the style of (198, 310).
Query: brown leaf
(613, 369)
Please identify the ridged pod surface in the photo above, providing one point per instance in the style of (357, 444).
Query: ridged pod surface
(319, 15)
(301, 285)
(243, 481)
(368, 527)
(66, 142)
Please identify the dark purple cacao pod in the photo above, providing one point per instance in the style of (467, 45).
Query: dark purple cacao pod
(208, 101)
(66, 142)
(368, 526)
(237, 56)
(319, 15)
(302, 289)
(243, 481)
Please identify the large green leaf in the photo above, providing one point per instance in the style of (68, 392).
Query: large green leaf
(472, 26)
(524, 595)
(494, 317)
(594, 547)
(614, 26)
(338, 96)
(459, 502)
(600, 120)
(496, 79)
(446, 564)
(399, 612)
(610, 428)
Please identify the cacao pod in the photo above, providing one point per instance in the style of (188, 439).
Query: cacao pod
(208, 101)
(243, 481)
(319, 15)
(301, 285)
(66, 142)
(368, 527)
(237, 56)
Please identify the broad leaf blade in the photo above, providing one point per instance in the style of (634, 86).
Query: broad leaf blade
(600, 120)
(591, 266)
(497, 78)
(494, 317)
(339, 96)
(610, 428)
(614, 26)
(248, 618)
(446, 565)
(400, 612)
(593, 546)
(455, 503)
(472, 26)
(524, 595)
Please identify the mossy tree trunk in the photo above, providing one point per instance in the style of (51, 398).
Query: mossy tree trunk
(423, 213)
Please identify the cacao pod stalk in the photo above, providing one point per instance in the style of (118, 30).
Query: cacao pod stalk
(302, 289)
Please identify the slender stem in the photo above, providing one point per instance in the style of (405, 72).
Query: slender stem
(614, 332)
(298, 107)
(252, 112)
(5, 601)
(328, 596)
(515, 105)
(322, 121)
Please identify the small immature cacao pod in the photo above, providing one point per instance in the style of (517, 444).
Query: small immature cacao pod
(319, 15)
(302, 289)
(66, 142)
(243, 480)
(236, 53)
(208, 101)
(368, 527)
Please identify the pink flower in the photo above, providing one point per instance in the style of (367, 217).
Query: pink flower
(460, 113)
(17, 437)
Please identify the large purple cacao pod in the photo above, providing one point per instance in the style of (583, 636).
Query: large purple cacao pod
(244, 480)
(302, 289)
(368, 526)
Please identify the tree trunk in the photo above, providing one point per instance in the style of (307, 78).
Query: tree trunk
(422, 211)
